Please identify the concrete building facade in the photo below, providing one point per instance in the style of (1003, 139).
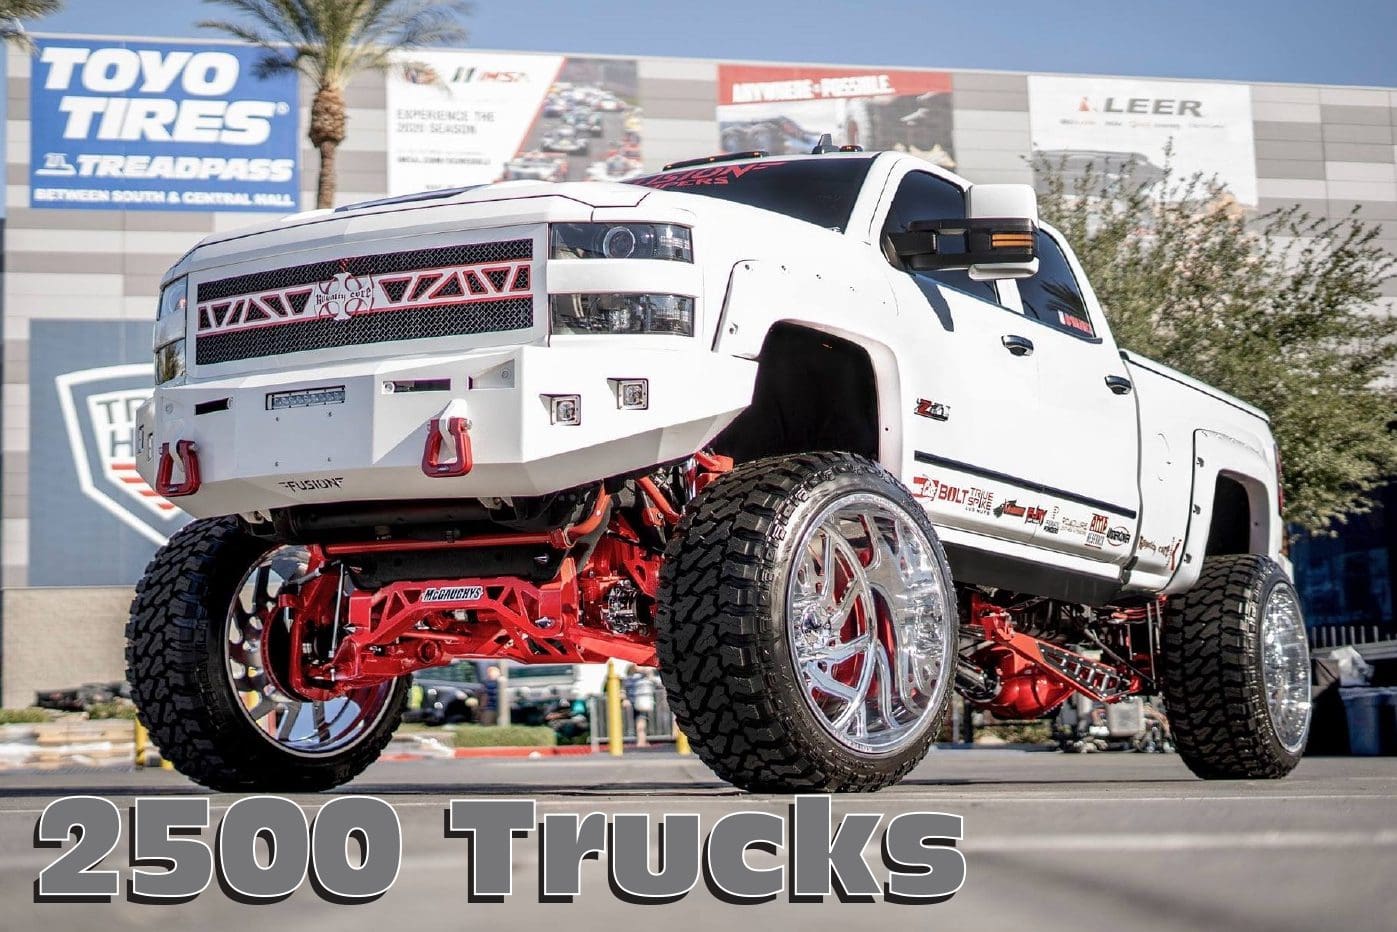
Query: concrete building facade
(80, 284)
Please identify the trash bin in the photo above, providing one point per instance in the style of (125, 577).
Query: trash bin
(1387, 721)
(1369, 713)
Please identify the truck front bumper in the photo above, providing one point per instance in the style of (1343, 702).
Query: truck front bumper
(357, 431)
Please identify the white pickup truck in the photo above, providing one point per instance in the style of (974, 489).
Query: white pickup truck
(824, 437)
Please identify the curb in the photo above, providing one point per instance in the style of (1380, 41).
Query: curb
(524, 752)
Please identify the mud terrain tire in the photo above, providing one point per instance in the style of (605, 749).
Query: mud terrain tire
(176, 666)
(1212, 666)
(726, 650)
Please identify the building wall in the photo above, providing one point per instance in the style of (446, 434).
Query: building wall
(1329, 149)
(59, 638)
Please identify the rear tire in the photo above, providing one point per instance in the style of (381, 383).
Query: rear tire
(177, 664)
(784, 678)
(1231, 717)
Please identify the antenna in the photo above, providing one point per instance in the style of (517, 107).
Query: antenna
(826, 144)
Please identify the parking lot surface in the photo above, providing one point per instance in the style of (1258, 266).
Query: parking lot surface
(1052, 841)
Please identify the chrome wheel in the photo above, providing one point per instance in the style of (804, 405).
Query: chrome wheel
(868, 614)
(258, 645)
(1285, 667)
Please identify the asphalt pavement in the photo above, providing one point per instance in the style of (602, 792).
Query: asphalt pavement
(1052, 841)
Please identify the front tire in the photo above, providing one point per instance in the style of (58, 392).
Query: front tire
(807, 626)
(200, 662)
(1236, 671)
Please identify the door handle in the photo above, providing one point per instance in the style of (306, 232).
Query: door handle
(1118, 384)
(1019, 346)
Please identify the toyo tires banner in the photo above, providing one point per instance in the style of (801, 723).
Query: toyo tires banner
(160, 126)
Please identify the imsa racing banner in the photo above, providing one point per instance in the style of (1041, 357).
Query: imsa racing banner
(465, 118)
(160, 126)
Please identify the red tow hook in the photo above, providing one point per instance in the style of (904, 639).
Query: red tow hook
(459, 430)
(185, 450)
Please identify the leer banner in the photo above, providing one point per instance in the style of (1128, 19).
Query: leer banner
(160, 126)
(1124, 126)
(785, 109)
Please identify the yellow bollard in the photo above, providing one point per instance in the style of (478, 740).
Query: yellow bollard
(681, 741)
(142, 742)
(615, 740)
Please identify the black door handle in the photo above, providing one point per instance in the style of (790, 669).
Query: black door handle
(1019, 346)
(1118, 384)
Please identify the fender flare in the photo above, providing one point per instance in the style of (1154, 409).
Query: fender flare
(1218, 454)
(746, 322)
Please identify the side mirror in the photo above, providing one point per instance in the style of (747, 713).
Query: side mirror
(996, 239)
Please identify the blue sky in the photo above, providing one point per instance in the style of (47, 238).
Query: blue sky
(1345, 42)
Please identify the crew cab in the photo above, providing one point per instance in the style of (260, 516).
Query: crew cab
(823, 436)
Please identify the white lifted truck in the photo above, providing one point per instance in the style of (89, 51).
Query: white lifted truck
(824, 437)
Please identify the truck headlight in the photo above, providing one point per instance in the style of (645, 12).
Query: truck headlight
(623, 313)
(622, 241)
(169, 362)
(170, 323)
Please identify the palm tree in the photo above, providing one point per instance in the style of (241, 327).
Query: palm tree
(330, 41)
(12, 16)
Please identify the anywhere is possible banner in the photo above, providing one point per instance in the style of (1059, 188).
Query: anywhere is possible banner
(784, 109)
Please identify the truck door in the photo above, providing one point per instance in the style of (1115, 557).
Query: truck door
(1087, 454)
(971, 382)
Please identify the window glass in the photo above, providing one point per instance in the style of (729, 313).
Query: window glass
(1052, 295)
(819, 191)
(924, 196)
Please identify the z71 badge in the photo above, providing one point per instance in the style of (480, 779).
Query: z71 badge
(933, 409)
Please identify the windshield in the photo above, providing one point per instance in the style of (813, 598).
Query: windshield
(818, 191)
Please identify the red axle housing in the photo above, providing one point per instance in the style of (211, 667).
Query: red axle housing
(586, 614)
(1036, 676)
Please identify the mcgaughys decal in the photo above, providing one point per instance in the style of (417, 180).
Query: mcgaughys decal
(453, 594)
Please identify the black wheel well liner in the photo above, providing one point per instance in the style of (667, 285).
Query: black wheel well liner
(1230, 525)
(814, 392)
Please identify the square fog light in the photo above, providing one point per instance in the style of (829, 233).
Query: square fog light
(565, 409)
(632, 394)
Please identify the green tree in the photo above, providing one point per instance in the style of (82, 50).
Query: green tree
(13, 13)
(329, 42)
(1281, 310)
